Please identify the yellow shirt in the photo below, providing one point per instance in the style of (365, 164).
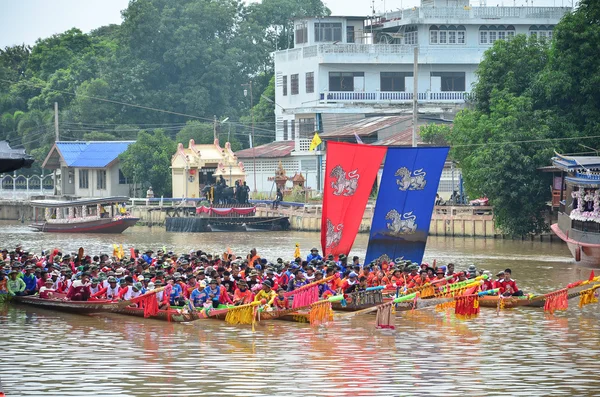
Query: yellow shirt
(269, 296)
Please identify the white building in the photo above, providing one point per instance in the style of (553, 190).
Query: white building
(345, 69)
(89, 169)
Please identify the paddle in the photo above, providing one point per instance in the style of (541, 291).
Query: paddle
(408, 297)
(80, 253)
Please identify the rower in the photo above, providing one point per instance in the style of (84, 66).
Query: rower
(47, 292)
(350, 285)
(80, 289)
(266, 293)
(510, 286)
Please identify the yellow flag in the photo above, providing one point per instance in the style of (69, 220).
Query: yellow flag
(121, 252)
(316, 141)
(297, 251)
(115, 251)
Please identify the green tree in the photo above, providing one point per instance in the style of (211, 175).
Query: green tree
(148, 161)
(435, 134)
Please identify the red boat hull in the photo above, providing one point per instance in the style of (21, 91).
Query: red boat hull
(97, 226)
(585, 254)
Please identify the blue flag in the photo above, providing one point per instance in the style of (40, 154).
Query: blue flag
(405, 203)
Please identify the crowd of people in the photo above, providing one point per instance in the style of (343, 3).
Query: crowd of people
(201, 279)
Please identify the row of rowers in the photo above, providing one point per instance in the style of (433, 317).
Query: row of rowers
(235, 280)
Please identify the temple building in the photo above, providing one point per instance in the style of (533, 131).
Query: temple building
(197, 166)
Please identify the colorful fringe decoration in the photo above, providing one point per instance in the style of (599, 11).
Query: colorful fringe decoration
(306, 296)
(442, 307)
(320, 313)
(385, 316)
(588, 296)
(428, 291)
(556, 301)
(244, 314)
(466, 306)
(501, 304)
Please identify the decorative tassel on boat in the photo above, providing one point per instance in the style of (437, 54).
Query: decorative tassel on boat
(306, 297)
(241, 314)
(320, 312)
(428, 292)
(442, 307)
(501, 304)
(385, 316)
(556, 301)
(466, 306)
(587, 296)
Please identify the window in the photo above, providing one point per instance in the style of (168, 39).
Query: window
(122, 179)
(310, 82)
(285, 130)
(349, 34)
(294, 84)
(451, 81)
(490, 34)
(542, 32)
(433, 35)
(393, 81)
(84, 179)
(284, 83)
(301, 33)
(328, 31)
(483, 37)
(293, 125)
(306, 128)
(411, 38)
(443, 36)
(101, 179)
(452, 37)
(447, 34)
(343, 81)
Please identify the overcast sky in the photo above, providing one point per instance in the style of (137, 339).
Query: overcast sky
(24, 21)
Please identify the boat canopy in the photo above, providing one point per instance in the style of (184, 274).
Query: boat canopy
(576, 163)
(72, 203)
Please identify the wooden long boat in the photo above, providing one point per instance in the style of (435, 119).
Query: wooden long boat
(101, 215)
(359, 300)
(180, 315)
(518, 301)
(79, 307)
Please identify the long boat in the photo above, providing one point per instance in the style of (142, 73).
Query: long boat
(100, 215)
(79, 307)
(578, 215)
(180, 315)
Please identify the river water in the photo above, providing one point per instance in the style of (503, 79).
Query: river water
(519, 352)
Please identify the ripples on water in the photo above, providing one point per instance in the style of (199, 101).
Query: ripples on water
(520, 352)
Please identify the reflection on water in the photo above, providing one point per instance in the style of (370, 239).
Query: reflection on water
(520, 352)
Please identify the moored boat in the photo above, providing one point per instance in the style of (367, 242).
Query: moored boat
(101, 215)
(80, 307)
(579, 207)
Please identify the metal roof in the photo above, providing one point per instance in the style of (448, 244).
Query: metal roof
(92, 154)
(402, 138)
(572, 163)
(13, 159)
(72, 203)
(365, 127)
(270, 150)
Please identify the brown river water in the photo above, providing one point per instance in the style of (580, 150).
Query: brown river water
(518, 352)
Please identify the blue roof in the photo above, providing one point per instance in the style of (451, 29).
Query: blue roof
(93, 154)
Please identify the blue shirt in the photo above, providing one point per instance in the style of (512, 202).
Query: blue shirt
(198, 297)
(30, 282)
(317, 257)
(175, 292)
(216, 292)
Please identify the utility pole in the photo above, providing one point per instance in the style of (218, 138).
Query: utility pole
(57, 137)
(215, 127)
(415, 96)
(249, 85)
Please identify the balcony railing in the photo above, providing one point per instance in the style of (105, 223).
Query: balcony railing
(493, 13)
(393, 97)
(295, 54)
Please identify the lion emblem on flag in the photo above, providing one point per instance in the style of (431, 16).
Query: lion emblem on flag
(333, 234)
(345, 184)
(401, 224)
(410, 180)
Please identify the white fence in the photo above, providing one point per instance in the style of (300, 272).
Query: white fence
(20, 187)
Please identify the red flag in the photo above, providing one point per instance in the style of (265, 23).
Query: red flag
(592, 275)
(132, 253)
(351, 171)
